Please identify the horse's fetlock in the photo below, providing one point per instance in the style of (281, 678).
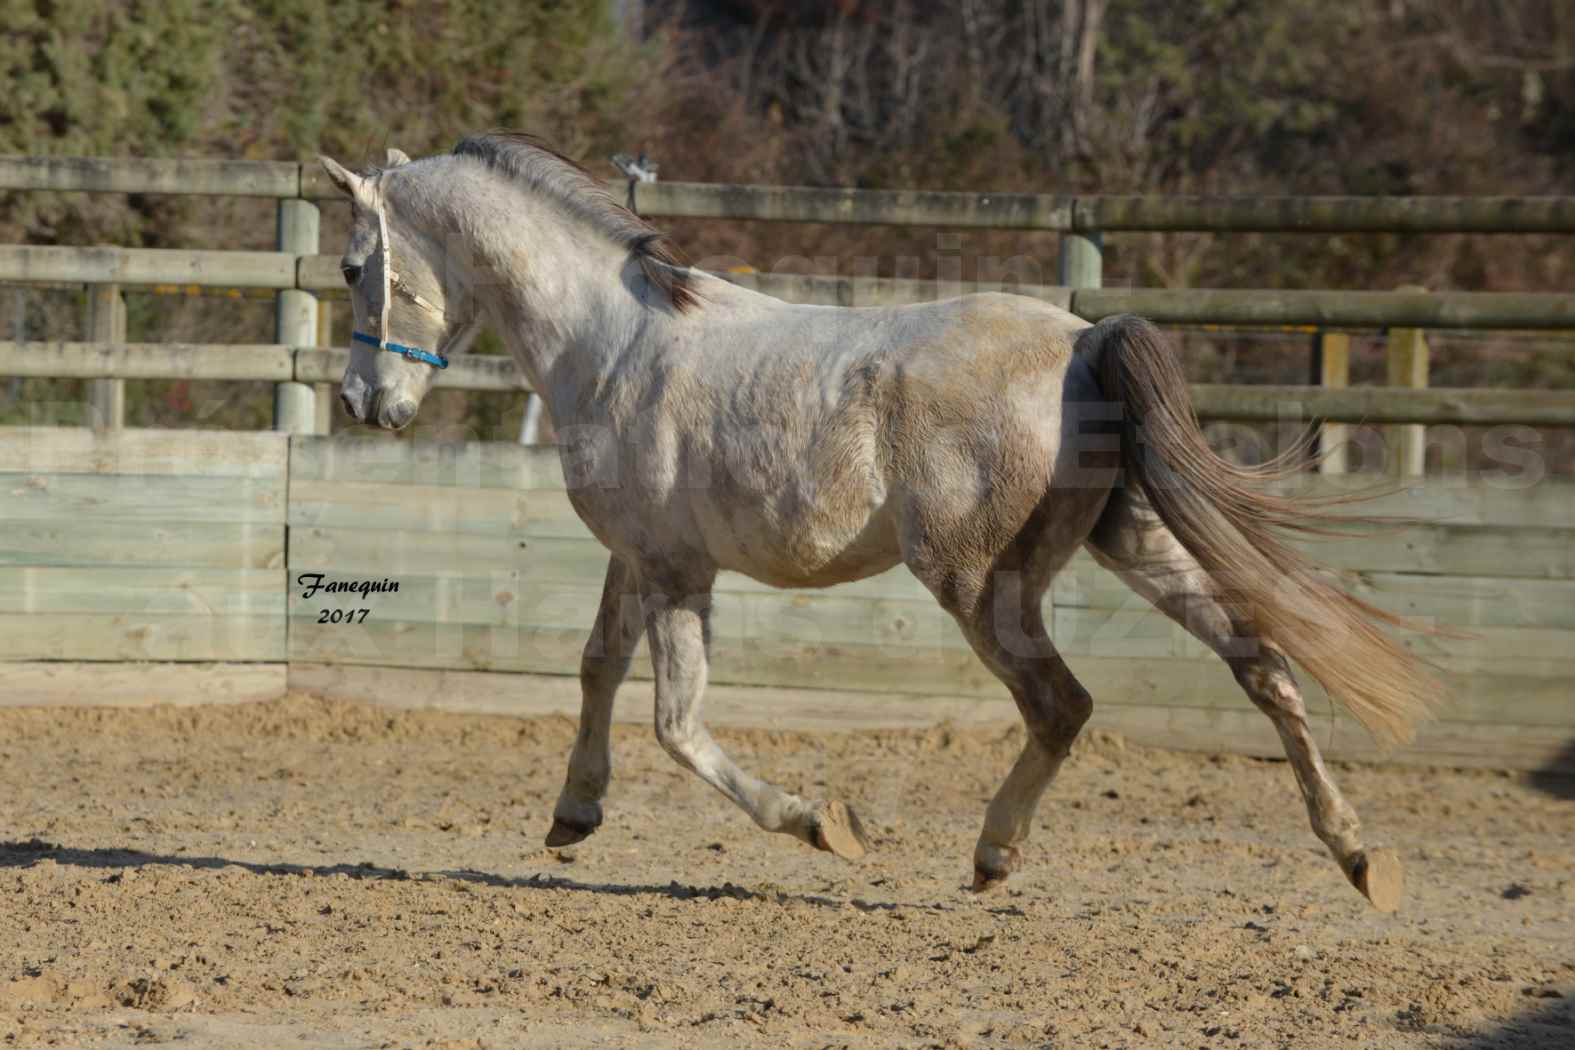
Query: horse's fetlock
(592, 783)
(578, 810)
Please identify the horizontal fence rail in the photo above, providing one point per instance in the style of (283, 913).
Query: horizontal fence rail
(147, 361)
(1268, 306)
(1243, 306)
(1468, 405)
(229, 178)
(1028, 211)
(27, 263)
(1000, 211)
(1227, 306)
(1035, 211)
(495, 373)
(1327, 214)
(822, 290)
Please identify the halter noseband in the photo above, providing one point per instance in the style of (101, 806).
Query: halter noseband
(391, 283)
(414, 353)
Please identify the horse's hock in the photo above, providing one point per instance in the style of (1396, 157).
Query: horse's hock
(149, 567)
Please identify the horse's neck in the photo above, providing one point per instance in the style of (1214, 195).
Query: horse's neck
(571, 310)
(564, 298)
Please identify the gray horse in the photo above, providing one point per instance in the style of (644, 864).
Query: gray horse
(978, 441)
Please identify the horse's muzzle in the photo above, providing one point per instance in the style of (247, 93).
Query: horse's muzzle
(365, 405)
(395, 416)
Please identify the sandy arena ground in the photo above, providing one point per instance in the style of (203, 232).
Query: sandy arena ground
(308, 874)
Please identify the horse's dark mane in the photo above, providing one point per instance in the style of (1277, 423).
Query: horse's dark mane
(533, 163)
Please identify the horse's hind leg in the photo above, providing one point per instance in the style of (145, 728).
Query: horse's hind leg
(603, 666)
(677, 618)
(1132, 542)
(1002, 617)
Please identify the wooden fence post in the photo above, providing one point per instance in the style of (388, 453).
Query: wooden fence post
(295, 316)
(1332, 368)
(1407, 366)
(1081, 264)
(323, 393)
(106, 323)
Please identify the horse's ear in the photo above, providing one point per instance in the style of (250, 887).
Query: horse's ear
(396, 157)
(349, 183)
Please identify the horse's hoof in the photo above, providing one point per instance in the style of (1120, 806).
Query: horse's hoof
(988, 876)
(1378, 874)
(837, 829)
(985, 881)
(564, 833)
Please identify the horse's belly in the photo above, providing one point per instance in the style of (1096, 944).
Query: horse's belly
(813, 549)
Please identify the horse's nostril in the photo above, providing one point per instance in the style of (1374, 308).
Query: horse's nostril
(344, 399)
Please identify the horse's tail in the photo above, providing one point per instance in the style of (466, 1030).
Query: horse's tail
(1223, 515)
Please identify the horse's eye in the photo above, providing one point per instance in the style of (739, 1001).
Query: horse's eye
(352, 274)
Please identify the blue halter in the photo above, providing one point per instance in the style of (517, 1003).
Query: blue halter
(411, 352)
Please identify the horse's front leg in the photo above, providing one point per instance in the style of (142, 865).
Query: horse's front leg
(603, 667)
(677, 616)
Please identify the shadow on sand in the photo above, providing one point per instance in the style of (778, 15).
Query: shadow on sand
(26, 854)
(1549, 1024)
(1557, 778)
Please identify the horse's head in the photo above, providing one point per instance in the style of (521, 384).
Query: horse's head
(411, 309)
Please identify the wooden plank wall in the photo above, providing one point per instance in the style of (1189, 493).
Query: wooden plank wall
(133, 545)
(170, 547)
(497, 574)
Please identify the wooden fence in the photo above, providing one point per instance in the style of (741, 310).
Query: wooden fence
(302, 277)
(144, 565)
(196, 548)
(184, 526)
(319, 274)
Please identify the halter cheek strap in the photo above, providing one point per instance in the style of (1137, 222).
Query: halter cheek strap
(388, 268)
(391, 283)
